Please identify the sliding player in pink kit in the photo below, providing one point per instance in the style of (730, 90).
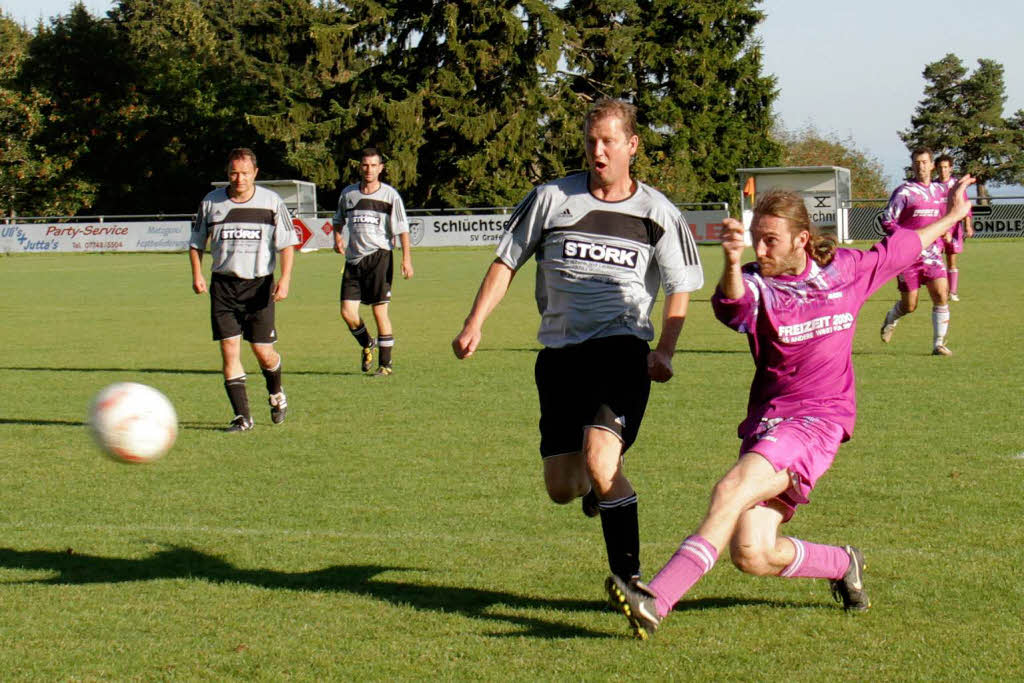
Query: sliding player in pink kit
(953, 243)
(797, 304)
(913, 205)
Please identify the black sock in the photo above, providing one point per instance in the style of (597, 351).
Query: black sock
(385, 342)
(361, 335)
(621, 528)
(273, 378)
(236, 394)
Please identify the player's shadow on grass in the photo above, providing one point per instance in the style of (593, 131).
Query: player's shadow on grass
(72, 568)
(167, 371)
(44, 423)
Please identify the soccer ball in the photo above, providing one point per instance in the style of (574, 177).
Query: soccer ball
(133, 422)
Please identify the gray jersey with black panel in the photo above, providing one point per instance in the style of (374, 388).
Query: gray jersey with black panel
(372, 220)
(599, 264)
(244, 236)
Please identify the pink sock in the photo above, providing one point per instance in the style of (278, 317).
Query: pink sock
(815, 561)
(694, 559)
(954, 280)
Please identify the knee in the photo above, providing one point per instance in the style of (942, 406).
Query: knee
(562, 492)
(727, 489)
(751, 560)
(909, 306)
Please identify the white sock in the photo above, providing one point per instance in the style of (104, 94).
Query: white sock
(894, 314)
(940, 324)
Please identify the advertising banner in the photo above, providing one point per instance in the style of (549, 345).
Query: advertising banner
(152, 235)
(996, 220)
(481, 229)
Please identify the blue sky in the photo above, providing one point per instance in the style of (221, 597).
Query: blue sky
(853, 69)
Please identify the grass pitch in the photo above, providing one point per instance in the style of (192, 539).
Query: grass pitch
(398, 528)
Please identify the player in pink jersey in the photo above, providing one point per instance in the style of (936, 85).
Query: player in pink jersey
(954, 240)
(797, 304)
(913, 205)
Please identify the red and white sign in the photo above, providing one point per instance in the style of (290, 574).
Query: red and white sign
(302, 232)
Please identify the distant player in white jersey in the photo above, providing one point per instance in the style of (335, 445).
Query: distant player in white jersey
(915, 204)
(603, 243)
(247, 226)
(954, 239)
(371, 214)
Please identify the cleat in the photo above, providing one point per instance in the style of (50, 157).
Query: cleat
(849, 590)
(941, 350)
(637, 602)
(887, 330)
(384, 371)
(590, 504)
(954, 297)
(241, 423)
(366, 357)
(278, 407)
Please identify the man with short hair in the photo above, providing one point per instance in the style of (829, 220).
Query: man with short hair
(953, 243)
(246, 226)
(797, 304)
(373, 214)
(915, 204)
(602, 242)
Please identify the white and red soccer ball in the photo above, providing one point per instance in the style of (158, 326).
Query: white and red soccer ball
(133, 422)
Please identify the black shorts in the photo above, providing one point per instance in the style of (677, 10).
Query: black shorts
(242, 307)
(368, 280)
(600, 383)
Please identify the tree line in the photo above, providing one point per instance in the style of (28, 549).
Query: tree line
(473, 102)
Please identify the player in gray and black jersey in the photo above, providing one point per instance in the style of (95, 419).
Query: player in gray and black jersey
(603, 242)
(371, 214)
(246, 226)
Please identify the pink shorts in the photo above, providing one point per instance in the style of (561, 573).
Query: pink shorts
(918, 274)
(804, 446)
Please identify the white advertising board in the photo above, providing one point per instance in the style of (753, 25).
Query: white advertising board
(152, 235)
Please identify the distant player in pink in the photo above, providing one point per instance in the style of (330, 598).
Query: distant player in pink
(954, 240)
(913, 205)
(798, 305)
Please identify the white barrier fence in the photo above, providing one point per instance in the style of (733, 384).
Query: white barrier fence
(314, 232)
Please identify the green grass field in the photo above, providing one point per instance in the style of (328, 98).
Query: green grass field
(398, 528)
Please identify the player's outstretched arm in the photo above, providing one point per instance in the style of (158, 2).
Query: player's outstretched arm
(339, 242)
(958, 206)
(659, 361)
(492, 291)
(407, 270)
(284, 284)
(195, 257)
(731, 282)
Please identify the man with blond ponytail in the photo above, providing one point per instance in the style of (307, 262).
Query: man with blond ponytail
(797, 304)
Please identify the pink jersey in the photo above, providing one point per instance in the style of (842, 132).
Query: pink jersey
(914, 205)
(800, 330)
(958, 229)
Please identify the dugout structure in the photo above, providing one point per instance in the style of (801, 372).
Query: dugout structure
(298, 195)
(825, 190)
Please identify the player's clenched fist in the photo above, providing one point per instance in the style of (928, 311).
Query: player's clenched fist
(732, 240)
(466, 342)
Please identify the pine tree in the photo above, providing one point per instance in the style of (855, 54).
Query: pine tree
(961, 115)
(693, 68)
(703, 96)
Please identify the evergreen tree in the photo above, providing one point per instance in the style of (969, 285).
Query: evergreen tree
(961, 115)
(703, 96)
